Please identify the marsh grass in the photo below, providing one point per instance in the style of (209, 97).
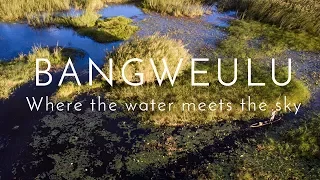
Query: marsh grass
(189, 8)
(251, 39)
(16, 10)
(22, 69)
(87, 19)
(155, 47)
(101, 30)
(13, 10)
(289, 14)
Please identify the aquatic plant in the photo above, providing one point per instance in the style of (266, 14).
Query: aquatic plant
(296, 153)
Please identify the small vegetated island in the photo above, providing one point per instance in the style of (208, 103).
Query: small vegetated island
(147, 82)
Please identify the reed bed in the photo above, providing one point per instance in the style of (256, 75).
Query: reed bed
(15, 10)
(289, 14)
(190, 8)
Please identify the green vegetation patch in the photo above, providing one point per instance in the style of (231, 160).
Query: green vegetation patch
(162, 46)
(257, 40)
(87, 19)
(190, 8)
(22, 69)
(100, 30)
(110, 29)
(69, 91)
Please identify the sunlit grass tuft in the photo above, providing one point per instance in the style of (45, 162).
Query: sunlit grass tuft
(70, 90)
(110, 29)
(87, 19)
(190, 8)
(155, 47)
(22, 69)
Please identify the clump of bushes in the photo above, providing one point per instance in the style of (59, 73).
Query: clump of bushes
(190, 8)
(155, 47)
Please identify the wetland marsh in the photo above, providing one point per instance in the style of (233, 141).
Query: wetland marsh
(159, 144)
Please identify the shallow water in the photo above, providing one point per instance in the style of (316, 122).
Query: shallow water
(220, 19)
(126, 10)
(20, 38)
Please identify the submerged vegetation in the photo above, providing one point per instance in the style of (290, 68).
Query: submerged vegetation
(22, 69)
(293, 155)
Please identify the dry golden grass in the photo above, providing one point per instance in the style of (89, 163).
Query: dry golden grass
(190, 8)
(15, 10)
